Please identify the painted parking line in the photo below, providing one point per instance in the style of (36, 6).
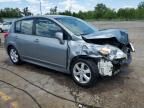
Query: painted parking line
(6, 98)
(14, 104)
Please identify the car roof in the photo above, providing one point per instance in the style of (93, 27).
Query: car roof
(44, 16)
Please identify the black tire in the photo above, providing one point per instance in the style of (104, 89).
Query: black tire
(19, 61)
(129, 59)
(94, 72)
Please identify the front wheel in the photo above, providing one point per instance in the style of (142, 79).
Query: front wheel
(129, 58)
(14, 56)
(84, 72)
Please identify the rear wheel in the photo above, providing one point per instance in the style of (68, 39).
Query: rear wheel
(14, 56)
(84, 72)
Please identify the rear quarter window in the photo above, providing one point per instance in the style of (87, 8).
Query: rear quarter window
(18, 27)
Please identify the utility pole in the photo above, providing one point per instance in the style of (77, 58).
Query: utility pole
(40, 7)
(70, 8)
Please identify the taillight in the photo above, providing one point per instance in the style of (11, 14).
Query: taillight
(6, 35)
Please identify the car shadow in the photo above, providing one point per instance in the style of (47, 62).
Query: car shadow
(104, 84)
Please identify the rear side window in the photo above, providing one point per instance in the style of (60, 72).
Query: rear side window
(27, 27)
(24, 27)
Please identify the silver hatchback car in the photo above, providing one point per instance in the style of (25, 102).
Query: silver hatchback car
(69, 45)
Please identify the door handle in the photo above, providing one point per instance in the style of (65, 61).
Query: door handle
(16, 37)
(36, 40)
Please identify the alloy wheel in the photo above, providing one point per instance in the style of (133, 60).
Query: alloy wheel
(13, 55)
(82, 72)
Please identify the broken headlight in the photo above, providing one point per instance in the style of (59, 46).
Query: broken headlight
(108, 51)
(105, 51)
(116, 54)
(112, 52)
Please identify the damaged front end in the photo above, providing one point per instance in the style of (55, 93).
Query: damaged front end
(110, 48)
(111, 58)
(111, 62)
(115, 50)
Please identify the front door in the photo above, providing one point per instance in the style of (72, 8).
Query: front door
(48, 49)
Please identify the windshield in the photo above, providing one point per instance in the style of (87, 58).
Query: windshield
(77, 26)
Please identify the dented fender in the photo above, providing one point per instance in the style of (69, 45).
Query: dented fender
(81, 48)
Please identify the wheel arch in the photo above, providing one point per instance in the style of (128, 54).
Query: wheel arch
(19, 60)
(9, 46)
(91, 62)
(82, 57)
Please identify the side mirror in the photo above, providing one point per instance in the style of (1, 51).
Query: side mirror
(59, 36)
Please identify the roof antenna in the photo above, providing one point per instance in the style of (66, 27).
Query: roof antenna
(70, 7)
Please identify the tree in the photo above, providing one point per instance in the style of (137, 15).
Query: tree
(66, 13)
(141, 5)
(89, 15)
(26, 12)
(100, 10)
(18, 12)
(140, 11)
(53, 10)
(126, 13)
(109, 14)
(10, 13)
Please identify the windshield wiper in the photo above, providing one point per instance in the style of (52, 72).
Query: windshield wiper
(84, 33)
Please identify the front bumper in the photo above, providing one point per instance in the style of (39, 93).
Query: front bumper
(119, 61)
(110, 65)
(131, 47)
(108, 68)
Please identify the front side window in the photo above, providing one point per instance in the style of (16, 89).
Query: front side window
(46, 28)
(26, 27)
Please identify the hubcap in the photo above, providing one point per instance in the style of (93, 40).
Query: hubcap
(82, 72)
(14, 55)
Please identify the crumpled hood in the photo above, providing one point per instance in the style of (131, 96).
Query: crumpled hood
(120, 35)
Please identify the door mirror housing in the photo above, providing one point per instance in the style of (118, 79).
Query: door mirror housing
(59, 36)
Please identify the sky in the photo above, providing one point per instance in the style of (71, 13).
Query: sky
(74, 5)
